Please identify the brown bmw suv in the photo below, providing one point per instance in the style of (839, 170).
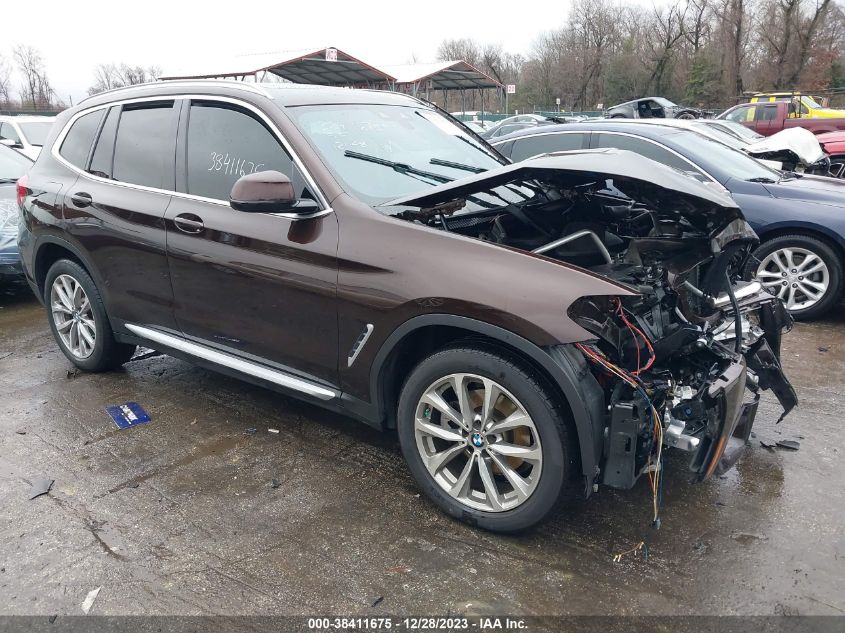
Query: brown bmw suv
(526, 329)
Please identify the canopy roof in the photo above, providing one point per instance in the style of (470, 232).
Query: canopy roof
(333, 67)
(450, 75)
(304, 66)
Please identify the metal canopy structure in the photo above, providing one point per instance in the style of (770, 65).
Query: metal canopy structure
(450, 75)
(324, 67)
(331, 66)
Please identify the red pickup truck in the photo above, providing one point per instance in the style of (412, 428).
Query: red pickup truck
(774, 116)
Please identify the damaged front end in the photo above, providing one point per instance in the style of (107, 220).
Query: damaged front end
(681, 362)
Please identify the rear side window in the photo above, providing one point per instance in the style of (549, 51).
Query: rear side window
(145, 145)
(9, 132)
(544, 144)
(104, 150)
(767, 113)
(647, 149)
(224, 143)
(80, 137)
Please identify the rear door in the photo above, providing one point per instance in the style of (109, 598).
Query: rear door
(261, 285)
(115, 208)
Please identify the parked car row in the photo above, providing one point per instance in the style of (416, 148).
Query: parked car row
(530, 330)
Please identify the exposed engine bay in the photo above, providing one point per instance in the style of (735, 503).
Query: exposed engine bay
(678, 369)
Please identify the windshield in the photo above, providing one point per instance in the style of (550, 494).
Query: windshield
(716, 157)
(810, 102)
(739, 129)
(35, 132)
(12, 164)
(721, 134)
(382, 152)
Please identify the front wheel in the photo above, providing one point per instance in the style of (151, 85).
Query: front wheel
(485, 438)
(804, 272)
(79, 321)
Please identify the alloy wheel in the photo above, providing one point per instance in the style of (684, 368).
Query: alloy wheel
(73, 316)
(478, 442)
(798, 276)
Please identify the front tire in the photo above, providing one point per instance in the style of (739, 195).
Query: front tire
(79, 321)
(804, 272)
(485, 438)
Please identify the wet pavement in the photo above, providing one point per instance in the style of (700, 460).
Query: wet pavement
(178, 516)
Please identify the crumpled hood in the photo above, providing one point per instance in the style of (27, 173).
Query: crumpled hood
(810, 189)
(799, 141)
(639, 177)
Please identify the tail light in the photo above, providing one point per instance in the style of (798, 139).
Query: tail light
(21, 189)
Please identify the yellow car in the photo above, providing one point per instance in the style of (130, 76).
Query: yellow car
(807, 105)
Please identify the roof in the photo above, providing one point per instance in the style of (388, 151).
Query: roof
(654, 128)
(309, 66)
(448, 75)
(284, 94)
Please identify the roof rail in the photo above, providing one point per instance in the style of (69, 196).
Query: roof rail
(187, 83)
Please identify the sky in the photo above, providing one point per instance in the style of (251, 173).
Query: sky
(74, 36)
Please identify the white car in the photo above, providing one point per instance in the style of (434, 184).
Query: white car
(25, 133)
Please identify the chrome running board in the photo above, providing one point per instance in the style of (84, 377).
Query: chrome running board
(238, 364)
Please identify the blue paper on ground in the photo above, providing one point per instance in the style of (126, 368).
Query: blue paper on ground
(128, 414)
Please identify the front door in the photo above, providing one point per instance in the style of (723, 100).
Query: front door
(261, 285)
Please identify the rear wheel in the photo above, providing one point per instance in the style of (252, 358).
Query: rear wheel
(79, 321)
(804, 272)
(485, 439)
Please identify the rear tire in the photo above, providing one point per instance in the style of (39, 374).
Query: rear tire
(476, 483)
(79, 321)
(806, 296)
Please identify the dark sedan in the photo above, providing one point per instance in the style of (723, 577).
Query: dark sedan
(12, 166)
(800, 219)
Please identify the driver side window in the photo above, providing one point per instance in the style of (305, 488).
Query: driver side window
(225, 142)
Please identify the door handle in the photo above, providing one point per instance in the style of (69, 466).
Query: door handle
(189, 223)
(81, 199)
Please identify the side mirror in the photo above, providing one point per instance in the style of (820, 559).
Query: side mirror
(11, 143)
(263, 192)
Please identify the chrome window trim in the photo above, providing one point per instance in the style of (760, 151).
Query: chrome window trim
(249, 368)
(668, 149)
(322, 201)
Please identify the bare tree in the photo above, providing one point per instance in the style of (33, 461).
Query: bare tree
(810, 26)
(109, 76)
(667, 30)
(35, 91)
(5, 83)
